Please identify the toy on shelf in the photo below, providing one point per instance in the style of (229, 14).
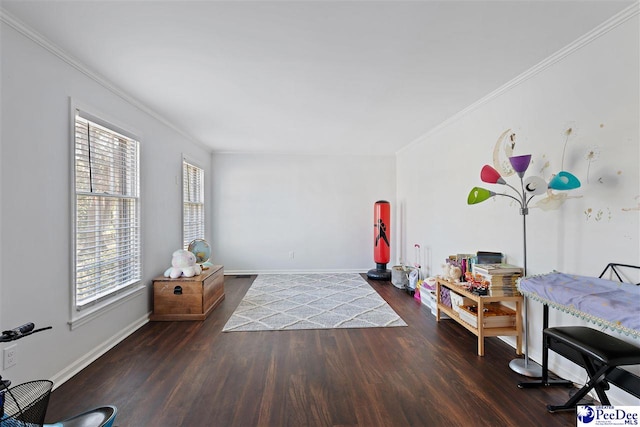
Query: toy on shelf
(183, 264)
(452, 272)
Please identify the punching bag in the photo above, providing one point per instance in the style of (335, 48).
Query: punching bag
(381, 240)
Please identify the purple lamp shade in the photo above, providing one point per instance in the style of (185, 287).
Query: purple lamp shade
(490, 175)
(520, 163)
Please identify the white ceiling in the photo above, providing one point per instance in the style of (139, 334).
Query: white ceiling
(352, 77)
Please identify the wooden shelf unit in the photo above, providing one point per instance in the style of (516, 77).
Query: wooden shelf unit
(481, 331)
(188, 298)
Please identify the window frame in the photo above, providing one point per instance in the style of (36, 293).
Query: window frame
(186, 161)
(80, 315)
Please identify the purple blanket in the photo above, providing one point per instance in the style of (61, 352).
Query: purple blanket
(604, 302)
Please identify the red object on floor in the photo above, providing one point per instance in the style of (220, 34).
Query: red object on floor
(381, 232)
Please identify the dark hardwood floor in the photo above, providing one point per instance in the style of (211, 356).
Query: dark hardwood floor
(192, 374)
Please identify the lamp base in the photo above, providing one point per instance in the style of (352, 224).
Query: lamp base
(526, 367)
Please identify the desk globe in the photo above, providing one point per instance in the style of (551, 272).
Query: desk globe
(201, 249)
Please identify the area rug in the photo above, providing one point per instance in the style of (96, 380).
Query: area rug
(277, 302)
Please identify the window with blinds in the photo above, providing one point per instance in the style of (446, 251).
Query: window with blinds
(192, 203)
(107, 212)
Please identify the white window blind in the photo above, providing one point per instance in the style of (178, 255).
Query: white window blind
(107, 212)
(192, 203)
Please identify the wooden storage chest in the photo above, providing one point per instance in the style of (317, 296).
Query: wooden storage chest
(188, 298)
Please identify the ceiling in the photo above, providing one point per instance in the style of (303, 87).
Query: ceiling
(346, 77)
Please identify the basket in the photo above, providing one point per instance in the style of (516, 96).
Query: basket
(445, 296)
(25, 404)
(399, 276)
(459, 300)
(495, 316)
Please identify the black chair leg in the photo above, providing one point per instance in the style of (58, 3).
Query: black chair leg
(600, 384)
(593, 382)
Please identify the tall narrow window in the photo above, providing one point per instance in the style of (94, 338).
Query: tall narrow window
(107, 211)
(192, 203)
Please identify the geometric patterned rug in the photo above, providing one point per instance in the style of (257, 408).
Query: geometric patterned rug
(276, 302)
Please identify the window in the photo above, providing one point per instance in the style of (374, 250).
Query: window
(192, 203)
(107, 249)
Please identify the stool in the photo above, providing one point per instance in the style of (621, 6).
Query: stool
(597, 352)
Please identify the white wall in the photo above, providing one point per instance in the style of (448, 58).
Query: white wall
(35, 216)
(318, 207)
(594, 90)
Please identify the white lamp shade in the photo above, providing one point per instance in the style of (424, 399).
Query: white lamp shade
(535, 185)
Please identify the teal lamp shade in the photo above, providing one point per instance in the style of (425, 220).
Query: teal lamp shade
(490, 175)
(479, 195)
(564, 181)
(520, 163)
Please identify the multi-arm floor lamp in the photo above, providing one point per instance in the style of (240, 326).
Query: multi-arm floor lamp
(529, 188)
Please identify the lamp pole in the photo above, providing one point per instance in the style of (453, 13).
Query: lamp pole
(525, 366)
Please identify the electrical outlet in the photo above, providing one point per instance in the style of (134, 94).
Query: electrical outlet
(10, 356)
(291, 255)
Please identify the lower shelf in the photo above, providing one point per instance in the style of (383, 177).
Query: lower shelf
(495, 316)
(486, 331)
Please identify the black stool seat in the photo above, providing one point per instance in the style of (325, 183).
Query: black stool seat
(597, 352)
(597, 345)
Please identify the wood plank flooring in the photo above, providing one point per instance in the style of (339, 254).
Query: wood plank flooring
(191, 374)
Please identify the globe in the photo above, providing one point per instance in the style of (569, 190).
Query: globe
(201, 249)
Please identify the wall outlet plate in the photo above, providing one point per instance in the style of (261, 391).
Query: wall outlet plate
(10, 356)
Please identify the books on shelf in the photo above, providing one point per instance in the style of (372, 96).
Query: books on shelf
(463, 261)
(496, 269)
(499, 278)
(503, 292)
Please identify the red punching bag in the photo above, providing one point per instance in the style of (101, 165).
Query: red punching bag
(381, 240)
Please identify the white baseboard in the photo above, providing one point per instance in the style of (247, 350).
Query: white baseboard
(251, 272)
(85, 360)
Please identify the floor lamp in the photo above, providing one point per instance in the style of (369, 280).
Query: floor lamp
(529, 188)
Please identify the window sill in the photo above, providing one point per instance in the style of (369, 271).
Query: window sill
(79, 318)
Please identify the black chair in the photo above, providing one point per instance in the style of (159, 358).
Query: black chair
(599, 353)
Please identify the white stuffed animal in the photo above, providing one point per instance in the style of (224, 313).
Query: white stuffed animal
(451, 272)
(455, 273)
(184, 264)
(445, 270)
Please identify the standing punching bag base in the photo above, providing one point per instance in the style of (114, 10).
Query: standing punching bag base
(379, 273)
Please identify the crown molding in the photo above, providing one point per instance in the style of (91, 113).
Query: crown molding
(613, 22)
(42, 41)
